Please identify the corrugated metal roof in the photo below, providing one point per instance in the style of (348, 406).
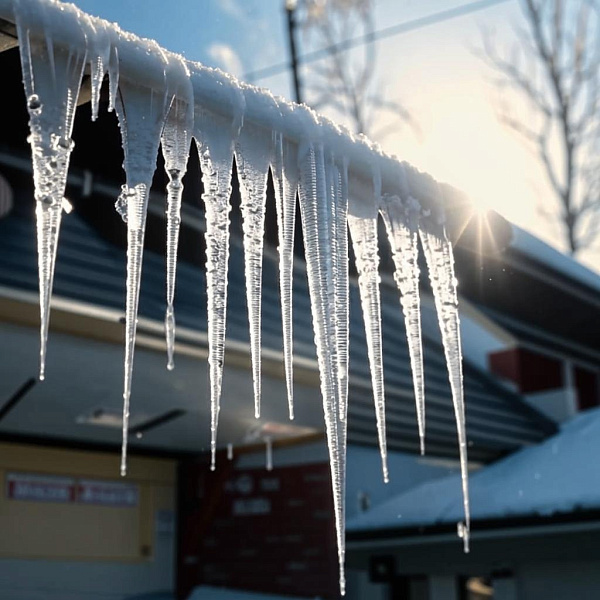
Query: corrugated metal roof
(91, 269)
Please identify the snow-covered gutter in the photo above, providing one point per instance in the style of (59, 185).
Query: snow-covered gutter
(343, 182)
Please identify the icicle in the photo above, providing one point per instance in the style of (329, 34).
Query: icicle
(285, 177)
(253, 156)
(215, 138)
(269, 453)
(99, 52)
(440, 263)
(337, 200)
(113, 77)
(317, 232)
(338, 186)
(401, 221)
(142, 112)
(52, 78)
(342, 306)
(362, 220)
(176, 139)
(229, 451)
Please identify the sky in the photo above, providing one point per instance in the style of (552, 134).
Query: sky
(433, 71)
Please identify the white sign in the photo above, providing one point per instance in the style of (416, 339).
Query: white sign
(107, 493)
(39, 488)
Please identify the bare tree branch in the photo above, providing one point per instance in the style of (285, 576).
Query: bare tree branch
(562, 45)
(345, 81)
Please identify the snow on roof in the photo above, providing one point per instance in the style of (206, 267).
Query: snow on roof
(538, 250)
(559, 475)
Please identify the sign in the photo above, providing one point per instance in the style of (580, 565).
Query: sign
(39, 488)
(51, 488)
(107, 493)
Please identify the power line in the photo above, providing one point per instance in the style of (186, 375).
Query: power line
(369, 38)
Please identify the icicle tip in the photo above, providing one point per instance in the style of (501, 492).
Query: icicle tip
(463, 532)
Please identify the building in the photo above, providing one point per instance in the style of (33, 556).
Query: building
(534, 511)
(535, 521)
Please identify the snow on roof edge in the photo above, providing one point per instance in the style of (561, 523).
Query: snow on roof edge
(550, 478)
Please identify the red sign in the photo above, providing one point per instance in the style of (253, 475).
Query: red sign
(40, 488)
(51, 488)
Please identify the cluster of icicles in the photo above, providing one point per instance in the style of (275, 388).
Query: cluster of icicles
(159, 110)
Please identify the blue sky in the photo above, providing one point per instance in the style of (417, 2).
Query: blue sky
(432, 71)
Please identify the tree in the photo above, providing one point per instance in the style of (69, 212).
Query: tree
(345, 80)
(554, 67)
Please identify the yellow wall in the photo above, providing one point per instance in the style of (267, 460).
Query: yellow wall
(67, 531)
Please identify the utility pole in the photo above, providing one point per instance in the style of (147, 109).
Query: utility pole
(290, 9)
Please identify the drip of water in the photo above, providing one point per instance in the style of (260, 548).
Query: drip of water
(269, 453)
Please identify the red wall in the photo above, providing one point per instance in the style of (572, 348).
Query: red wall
(531, 371)
(252, 529)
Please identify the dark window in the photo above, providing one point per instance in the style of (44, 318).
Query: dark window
(586, 384)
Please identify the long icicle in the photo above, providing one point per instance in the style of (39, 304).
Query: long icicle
(440, 263)
(52, 77)
(317, 242)
(253, 152)
(285, 178)
(176, 139)
(215, 140)
(362, 220)
(339, 236)
(142, 112)
(401, 220)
